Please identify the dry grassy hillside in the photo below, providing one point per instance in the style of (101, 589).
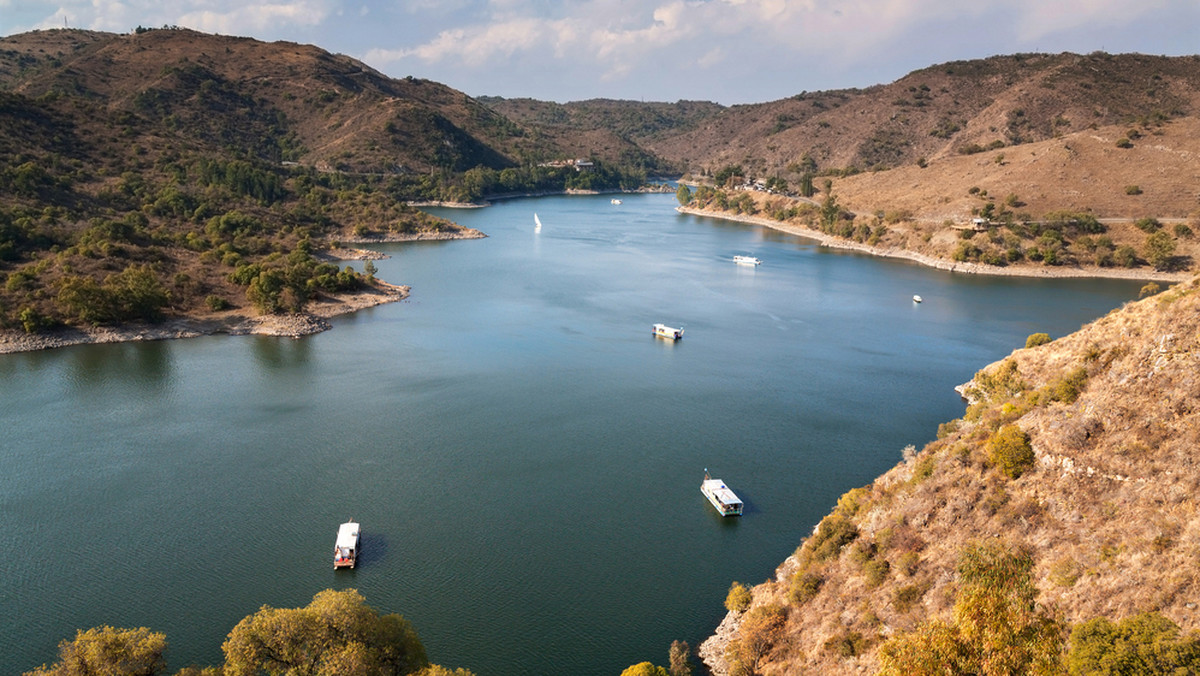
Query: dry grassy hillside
(940, 111)
(1081, 171)
(1106, 504)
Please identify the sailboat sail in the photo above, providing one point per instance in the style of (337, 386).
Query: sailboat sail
(537, 222)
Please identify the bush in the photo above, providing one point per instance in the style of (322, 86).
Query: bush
(1148, 224)
(1010, 451)
(1036, 339)
(907, 596)
(1133, 190)
(805, 585)
(1124, 143)
(738, 599)
(834, 532)
(1148, 643)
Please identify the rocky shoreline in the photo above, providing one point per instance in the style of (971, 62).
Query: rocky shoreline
(941, 263)
(233, 323)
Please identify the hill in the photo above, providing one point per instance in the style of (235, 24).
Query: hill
(168, 173)
(1101, 506)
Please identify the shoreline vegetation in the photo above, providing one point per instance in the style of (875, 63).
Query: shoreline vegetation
(314, 319)
(1011, 270)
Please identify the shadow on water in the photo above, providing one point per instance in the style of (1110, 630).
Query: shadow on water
(282, 354)
(137, 363)
(372, 548)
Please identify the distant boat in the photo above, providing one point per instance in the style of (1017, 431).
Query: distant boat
(537, 223)
(616, 201)
(722, 498)
(664, 331)
(916, 299)
(345, 550)
(746, 260)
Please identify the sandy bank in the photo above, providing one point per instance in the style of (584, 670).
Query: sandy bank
(1060, 271)
(233, 323)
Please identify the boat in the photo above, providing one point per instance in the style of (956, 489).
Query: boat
(345, 550)
(616, 201)
(746, 260)
(917, 299)
(722, 498)
(537, 223)
(664, 331)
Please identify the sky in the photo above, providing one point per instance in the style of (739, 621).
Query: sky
(726, 51)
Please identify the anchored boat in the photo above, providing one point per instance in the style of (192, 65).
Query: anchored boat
(345, 550)
(722, 498)
(664, 331)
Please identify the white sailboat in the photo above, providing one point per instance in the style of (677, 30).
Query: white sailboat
(537, 223)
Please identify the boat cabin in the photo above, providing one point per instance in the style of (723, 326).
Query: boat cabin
(345, 550)
(722, 498)
(664, 331)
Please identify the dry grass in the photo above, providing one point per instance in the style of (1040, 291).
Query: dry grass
(1108, 510)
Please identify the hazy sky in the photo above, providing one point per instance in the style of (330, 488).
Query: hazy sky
(729, 51)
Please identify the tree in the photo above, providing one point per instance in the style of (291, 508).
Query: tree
(1036, 339)
(680, 659)
(759, 632)
(997, 630)
(335, 634)
(370, 270)
(1160, 250)
(738, 599)
(105, 651)
(683, 195)
(644, 669)
(1148, 643)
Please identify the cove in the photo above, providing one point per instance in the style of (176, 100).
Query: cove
(524, 457)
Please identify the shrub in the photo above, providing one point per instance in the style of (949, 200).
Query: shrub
(847, 644)
(1124, 143)
(1036, 339)
(217, 303)
(1148, 643)
(1148, 224)
(1010, 451)
(1149, 290)
(1133, 190)
(1125, 256)
(907, 596)
(834, 532)
(738, 599)
(1160, 250)
(805, 585)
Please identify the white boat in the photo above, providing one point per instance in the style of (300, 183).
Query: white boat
(345, 550)
(664, 331)
(722, 498)
(916, 299)
(746, 260)
(616, 201)
(537, 223)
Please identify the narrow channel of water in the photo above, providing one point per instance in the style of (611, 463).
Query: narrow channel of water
(524, 457)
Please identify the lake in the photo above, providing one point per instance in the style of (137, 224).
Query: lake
(523, 455)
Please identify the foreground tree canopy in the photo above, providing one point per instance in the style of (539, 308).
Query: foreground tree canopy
(335, 635)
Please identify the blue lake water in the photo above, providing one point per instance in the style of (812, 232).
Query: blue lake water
(523, 456)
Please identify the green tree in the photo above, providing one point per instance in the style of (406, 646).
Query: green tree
(1148, 643)
(683, 195)
(644, 669)
(738, 599)
(105, 651)
(998, 629)
(1160, 250)
(335, 634)
(1036, 339)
